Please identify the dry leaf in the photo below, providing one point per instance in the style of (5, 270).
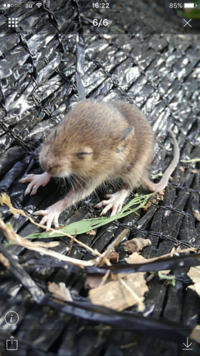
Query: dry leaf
(196, 215)
(181, 168)
(124, 290)
(194, 274)
(122, 293)
(135, 258)
(136, 244)
(93, 281)
(195, 334)
(60, 291)
(194, 171)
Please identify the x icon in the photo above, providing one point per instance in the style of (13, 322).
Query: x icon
(187, 22)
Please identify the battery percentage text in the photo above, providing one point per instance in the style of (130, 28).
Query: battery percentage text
(176, 5)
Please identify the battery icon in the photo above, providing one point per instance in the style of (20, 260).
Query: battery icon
(190, 5)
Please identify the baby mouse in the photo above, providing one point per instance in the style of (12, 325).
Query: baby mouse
(98, 142)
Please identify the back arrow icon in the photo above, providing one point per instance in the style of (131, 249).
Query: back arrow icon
(187, 345)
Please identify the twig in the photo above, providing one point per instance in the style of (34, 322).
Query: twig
(70, 246)
(170, 254)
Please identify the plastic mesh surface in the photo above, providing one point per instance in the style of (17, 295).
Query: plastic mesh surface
(45, 68)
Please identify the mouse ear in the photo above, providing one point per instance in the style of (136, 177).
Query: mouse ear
(125, 135)
(127, 132)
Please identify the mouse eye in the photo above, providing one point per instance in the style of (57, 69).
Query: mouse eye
(86, 151)
(83, 154)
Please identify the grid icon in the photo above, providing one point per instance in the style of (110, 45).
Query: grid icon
(12, 22)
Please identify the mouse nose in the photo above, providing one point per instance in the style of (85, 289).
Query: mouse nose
(48, 167)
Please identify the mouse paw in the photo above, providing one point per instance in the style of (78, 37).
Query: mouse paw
(49, 217)
(36, 181)
(115, 202)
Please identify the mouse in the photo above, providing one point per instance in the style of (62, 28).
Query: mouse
(98, 142)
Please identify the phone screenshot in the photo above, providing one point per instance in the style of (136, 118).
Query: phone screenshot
(99, 177)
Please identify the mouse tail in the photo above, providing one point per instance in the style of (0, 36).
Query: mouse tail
(158, 187)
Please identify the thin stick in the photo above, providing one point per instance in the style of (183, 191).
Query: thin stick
(168, 255)
(71, 246)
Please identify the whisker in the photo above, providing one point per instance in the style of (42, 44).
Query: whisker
(78, 182)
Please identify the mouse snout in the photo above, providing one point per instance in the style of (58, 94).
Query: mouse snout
(49, 167)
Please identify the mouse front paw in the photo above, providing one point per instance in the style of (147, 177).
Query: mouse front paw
(36, 181)
(115, 202)
(50, 215)
(49, 218)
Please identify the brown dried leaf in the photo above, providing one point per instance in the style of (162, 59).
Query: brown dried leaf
(181, 168)
(136, 244)
(195, 334)
(196, 215)
(60, 292)
(194, 274)
(196, 288)
(122, 293)
(93, 281)
(135, 258)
